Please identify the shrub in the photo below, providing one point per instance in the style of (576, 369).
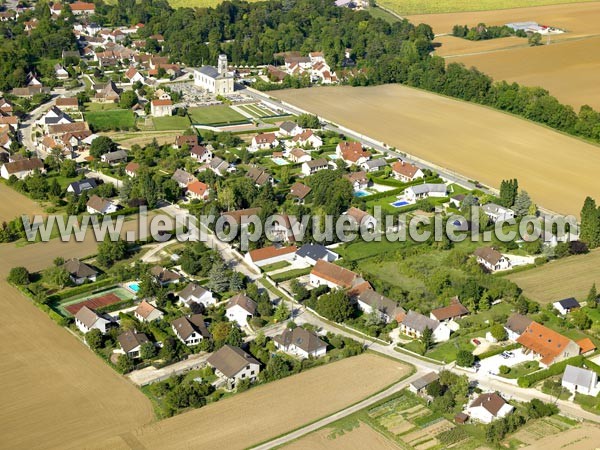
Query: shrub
(555, 369)
(18, 276)
(504, 369)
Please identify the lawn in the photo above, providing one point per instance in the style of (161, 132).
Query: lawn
(218, 114)
(116, 119)
(448, 6)
(275, 266)
(90, 107)
(519, 370)
(171, 123)
(290, 274)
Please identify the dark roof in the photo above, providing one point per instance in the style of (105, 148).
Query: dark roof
(230, 360)
(187, 325)
(115, 156)
(83, 185)
(488, 254)
(299, 190)
(492, 402)
(87, 317)
(380, 303)
(131, 339)
(419, 322)
(301, 338)
(454, 309)
(518, 323)
(78, 269)
(569, 303)
(313, 251)
(243, 301)
(288, 126)
(164, 275)
(425, 380)
(192, 289)
(209, 71)
(317, 163)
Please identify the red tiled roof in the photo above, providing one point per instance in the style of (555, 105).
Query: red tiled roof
(261, 254)
(328, 271)
(406, 169)
(545, 342)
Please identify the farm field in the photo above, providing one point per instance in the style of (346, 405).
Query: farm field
(356, 439)
(448, 6)
(580, 437)
(142, 138)
(284, 405)
(569, 277)
(217, 114)
(114, 119)
(171, 123)
(13, 204)
(451, 47)
(463, 137)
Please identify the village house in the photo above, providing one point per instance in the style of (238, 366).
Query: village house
(79, 271)
(388, 310)
(586, 346)
(269, 255)
(497, 213)
(22, 168)
(183, 178)
(549, 346)
(358, 180)
(216, 80)
(300, 342)
(161, 108)
(67, 104)
(580, 381)
(516, 325)
(491, 259)
(352, 153)
(108, 93)
(197, 190)
(99, 205)
(566, 305)
(307, 139)
(419, 386)
(455, 310)
(11, 121)
(190, 329)
(233, 365)
(194, 293)
(131, 342)
(201, 153)
(145, 312)
(164, 276)
(82, 8)
(311, 253)
(427, 190)
(134, 76)
(259, 176)
(54, 116)
(333, 276)
(77, 187)
(299, 191)
(297, 155)
(131, 169)
(374, 165)
(406, 172)
(113, 158)
(181, 140)
(60, 73)
(288, 128)
(414, 324)
(219, 166)
(361, 218)
(87, 320)
(264, 141)
(311, 167)
(488, 407)
(240, 309)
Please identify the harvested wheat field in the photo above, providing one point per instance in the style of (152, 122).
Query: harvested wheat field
(358, 438)
(578, 19)
(453, 6)
(450, 46)
(269, 410)
(13, 202)
(581, 437)
(569, 69)
(478, 142)
(569, 277)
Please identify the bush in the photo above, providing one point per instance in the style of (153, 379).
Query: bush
(465, 358)
(18, 276)
(504, 369)
(555, 369)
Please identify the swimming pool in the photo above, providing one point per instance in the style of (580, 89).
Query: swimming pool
(280, 161)
(135, 287)
(333, 156)
(399, 203)
(361, 193)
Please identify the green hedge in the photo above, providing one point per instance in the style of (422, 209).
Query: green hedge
(555, 369)
(497, 351)
(290, 274)
(116, 306)
(88, 287)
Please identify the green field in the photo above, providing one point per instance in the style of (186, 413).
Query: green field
(116, 119)
(408, 7)
(171, 123)
(89, 107)
(218, 114)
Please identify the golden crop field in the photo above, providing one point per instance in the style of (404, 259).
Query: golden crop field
(478, 142)
(569, 277)
(358, 438)
(13, 203)
(407, 7)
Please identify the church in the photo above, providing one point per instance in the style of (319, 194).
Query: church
(215, 80)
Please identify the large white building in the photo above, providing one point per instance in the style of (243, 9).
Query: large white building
(216, 80)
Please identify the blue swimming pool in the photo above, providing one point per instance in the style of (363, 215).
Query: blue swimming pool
(333, 156)
(135, 287)
(399, 203)
(280, 161)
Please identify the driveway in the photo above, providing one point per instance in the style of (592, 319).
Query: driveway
(493, 363)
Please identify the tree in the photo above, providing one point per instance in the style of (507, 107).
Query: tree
(427, 338)
(335, 306)
(18, 276)
(277, 368)
(235, 336)
(465, 358)
(218, 279)
(522, 204)
(94, 339)
(282, 312)
(508, 192)
(111, 250)
(592, 298)
(147, 350)
(128, 100)
(590, 223)
(581, 320)
(124, 364)
(57, 276)
(535, 39)
(102, 145)
(498, 332)
(308, 121)
(435, 389)
(237, 281)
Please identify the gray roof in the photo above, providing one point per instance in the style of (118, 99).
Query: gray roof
(375, 163)
(78, 269)
(380, 303)
(287, 126)
(244, 301)
(230, 360)
(83, 185)
(419, 322)
(313, 251)
(579, 376)
(425, 380)
(428, 187)
(131, 339)
(192, 290)
(115, 156)
(518, 323)
(317, 163)
(209, 71)
(493, 208)
(87, 317)
(301, 338)
(187, 325)
(568, 303)
(183, 177)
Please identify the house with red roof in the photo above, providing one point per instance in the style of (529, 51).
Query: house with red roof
(352, 153)
(197, 190)
(406, 172)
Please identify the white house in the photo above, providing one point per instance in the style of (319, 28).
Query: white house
(79, 272)
(99, 205)
(201, 153)
(359, 180)
(352, 153)
(288, 128)
(60, 72)
(264, 141)
(115, 157)
(307, 139)
(87, 320)
(311, 253)
(194, 293)
(362, 218)
(369, 301)
(414, 324)
(496, 212)
(232, 365)
(298, 156)
(310, 167)
(300, 342)
(198, 190)
(270, 255)
(566, 305)
(426, 190)
(134, 76)
(190, 329)
(240, 308)
(488, 407)
(145, 312)
(581, 381)
(492, 259)
(161, 108)
(131, 342)
(22, 168)
(406, 172)
(333, 276)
